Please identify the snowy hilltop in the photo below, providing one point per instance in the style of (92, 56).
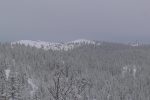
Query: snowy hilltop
(56, 46)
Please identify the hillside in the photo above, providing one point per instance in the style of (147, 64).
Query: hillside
(56, 46)
(92, 70)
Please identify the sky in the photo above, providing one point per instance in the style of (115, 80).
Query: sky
(65, 20)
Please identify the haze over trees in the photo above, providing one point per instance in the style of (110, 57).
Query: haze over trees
(109, 71)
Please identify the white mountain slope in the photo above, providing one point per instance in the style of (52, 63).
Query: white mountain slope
(56, 46)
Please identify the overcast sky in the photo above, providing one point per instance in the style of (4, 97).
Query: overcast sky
(65, 20)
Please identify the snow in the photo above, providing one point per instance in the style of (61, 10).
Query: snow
(125, 69)
(55, 46)
(7, 72)
(34, 87)
(134, 71)
(79, 41)
(129, 69)
(135, 44)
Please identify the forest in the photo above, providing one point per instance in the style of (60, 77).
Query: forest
(110, 71)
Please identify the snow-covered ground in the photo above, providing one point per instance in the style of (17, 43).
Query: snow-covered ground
(56, 46)
(34, 87)
(7, 72)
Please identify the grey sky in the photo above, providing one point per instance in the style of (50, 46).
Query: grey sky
(64, 20)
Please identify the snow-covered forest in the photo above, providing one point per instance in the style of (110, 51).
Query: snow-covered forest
(90, 71)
